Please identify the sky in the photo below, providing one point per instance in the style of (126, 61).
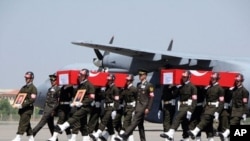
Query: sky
(36, 35)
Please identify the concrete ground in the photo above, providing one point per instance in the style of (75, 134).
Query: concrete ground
(153, 131)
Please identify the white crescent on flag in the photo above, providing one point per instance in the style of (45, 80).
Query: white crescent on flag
(197, 73)
(93, 74)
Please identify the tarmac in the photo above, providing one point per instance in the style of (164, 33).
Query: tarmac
(152, 130)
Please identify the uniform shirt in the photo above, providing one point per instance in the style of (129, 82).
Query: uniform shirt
(145, 93)
(90, 89)
(112, 95)
(31, 91)
(99, 94)
(52, 98)
(168, 93)
(200, 95)
(213, 93)
(129, 94)
(66, 94)
(187, 92)
(239, 101)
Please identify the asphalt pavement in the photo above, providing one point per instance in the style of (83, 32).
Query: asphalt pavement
(153, 130)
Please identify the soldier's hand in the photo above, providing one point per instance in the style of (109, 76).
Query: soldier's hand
(133, 113)
(78, 104)
(244, 117)
(189, 115)
(146, 111)
(159, 114)
(72, 104)
(216, 116)
(92, 103)
(17, 106)
(113, 114)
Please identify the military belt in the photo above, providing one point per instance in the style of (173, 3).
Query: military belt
(216, 104)
(64, 103)
(131, 104)
(172, 102)
(226, 105)
(199, 104)
(109, 104)
(188, 102)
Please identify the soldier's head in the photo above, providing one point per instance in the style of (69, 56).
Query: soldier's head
(110, 78)
(215, 76)
(83, 74)
(52, 78)
(239, 78)
(129, 79)
(29, 76)
(142, 74)
(185, 76)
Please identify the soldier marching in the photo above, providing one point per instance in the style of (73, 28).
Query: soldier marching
(120, 110)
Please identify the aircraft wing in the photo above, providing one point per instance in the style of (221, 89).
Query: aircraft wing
(140, 52)
(155, 55)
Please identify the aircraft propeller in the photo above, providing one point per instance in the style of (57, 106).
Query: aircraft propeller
(98, 61)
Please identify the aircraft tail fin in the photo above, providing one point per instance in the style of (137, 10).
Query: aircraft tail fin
(170, 45)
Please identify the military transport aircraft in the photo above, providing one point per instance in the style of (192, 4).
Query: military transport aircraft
(132, 59)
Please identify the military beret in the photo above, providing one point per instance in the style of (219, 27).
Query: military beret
(142, 71)
(52, 76)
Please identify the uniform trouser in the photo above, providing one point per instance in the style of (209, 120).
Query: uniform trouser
(79, 116)
(138, 120)
(106, 121)
(206, 124)
(63, 115)
(84, 125)
(235, 120)
(24, 121)
(94, 119)
(46, 118)
(117, 122)
(195, 119)
(224, 120)
(180, 118)
(128, 115)
(168, 114)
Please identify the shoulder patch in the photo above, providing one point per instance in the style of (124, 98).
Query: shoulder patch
(151, 89)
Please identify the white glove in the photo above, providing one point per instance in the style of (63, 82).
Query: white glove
(244, 117)
(113, 114)
(216, 116)
(159, 114)
(92, 103)
(18, 106)
(72, 104)
(133, 113)
(97, 104)
(103, 89)
(189, 114)
(78, 104)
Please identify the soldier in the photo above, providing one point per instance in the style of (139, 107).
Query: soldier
(111, 106)
(63, 110)
(225, 113)
(51, 103)
(117, 121)
(84, 106)
(196, 116)
(129, 95)
(188, 99)
(96, 112)
(145, 95)
(214, 103)
(239, 105)
(26, 108)
(167, 106)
